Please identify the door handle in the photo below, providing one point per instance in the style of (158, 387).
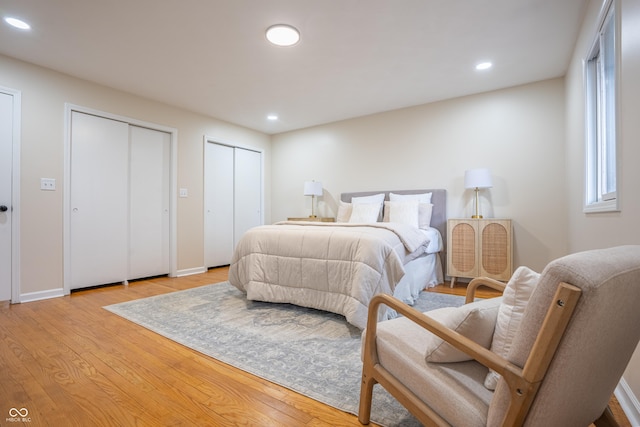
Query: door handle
(3, 208)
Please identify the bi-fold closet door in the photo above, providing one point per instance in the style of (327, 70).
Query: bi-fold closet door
(119, 201)
(232, 198)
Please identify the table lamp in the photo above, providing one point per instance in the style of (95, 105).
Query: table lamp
(477, 179)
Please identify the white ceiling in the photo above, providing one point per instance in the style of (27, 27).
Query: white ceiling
(355, 57)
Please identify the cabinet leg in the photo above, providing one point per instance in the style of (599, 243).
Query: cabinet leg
(453, 282)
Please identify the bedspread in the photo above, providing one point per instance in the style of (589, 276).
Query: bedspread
(331, 267)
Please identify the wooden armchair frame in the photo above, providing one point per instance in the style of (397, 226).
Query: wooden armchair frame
(523, 383)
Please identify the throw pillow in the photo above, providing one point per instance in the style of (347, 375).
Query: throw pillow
(475, 321)
(515, 298)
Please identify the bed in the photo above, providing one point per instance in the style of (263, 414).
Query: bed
(339, 267)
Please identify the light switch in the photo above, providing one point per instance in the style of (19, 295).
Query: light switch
(48, 184)
(184, 192)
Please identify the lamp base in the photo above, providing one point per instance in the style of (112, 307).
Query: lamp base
(476, 216)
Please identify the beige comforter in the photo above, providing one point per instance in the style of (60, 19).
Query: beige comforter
(331, 267)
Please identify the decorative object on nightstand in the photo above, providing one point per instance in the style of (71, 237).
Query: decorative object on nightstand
(313, 189)
(477, 179)
(479, 248)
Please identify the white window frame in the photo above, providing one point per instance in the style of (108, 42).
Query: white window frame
(602, 169)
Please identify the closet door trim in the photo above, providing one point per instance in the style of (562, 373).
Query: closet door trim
(68, 109)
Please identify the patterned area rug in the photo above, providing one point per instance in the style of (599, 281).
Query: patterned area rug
(312, 352)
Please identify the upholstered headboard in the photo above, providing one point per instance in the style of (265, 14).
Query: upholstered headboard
(438, 216)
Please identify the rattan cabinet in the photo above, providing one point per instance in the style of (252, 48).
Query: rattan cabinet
(479, 248)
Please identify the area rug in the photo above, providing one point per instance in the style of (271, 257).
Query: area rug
(312, 352)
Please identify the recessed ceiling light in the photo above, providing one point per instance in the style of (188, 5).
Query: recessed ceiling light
(272, 117)
(484, 66)
(17, 23)
(283, 35)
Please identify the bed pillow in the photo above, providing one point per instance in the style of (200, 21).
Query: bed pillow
(421, 198)
(515, 298)
(364, 212)
(375, 198)
(425, 211)
(475, 321)
(402, 212)
(344, 212)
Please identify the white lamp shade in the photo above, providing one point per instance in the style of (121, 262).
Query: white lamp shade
(312, 188)
(477, 178)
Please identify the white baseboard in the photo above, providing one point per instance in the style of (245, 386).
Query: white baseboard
(37, 296)
(628, 402)
(190, 271)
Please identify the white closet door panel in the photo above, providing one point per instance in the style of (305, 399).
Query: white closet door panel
(99, 192)
(218, 203)
(6, 159)
(149, 184)
(248, 191)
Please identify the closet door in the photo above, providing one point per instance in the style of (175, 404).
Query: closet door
(99, 200)
(149, 190)
(248, 191)
(218, 204)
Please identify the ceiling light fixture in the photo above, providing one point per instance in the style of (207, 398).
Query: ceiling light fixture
(272, 117)
(17, 23)
(484, 66)
(283, 35)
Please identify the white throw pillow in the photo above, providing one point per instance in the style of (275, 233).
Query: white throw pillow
(402, 212)
(364, 213)
(376, 198)
(344, 212)
(475, 321)
(515, 298)
(424, 215)
(421, 198)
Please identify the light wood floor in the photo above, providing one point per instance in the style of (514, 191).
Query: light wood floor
(71, 363)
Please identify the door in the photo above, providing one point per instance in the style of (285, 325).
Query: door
(98, 200)
(232, 198)
(6, 174)
(248, 192)
(218, 202)
(149, 187)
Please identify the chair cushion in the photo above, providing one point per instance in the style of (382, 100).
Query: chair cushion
(475, 321)
(515, 298)
(454, 390)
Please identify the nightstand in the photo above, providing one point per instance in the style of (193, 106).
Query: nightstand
(479, 248)
(313, 219)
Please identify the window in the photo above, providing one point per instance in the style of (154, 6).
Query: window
(601, 89)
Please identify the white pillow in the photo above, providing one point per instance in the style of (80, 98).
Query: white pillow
(364, 212)
(424, 215)
(421, 198)
(475, 321)
(402, 212)
(376, 198)
(344, 212)
(515, 298)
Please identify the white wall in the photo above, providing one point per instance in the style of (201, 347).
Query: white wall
(518, 133)
(44, 94)
(589, 231)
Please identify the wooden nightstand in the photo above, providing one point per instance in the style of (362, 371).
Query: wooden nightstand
(316, 219)
(479, 248)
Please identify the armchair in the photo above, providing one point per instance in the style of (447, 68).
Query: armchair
(576, 336)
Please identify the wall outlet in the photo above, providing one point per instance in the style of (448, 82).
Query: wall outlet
(48, 184)
(184, 192)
